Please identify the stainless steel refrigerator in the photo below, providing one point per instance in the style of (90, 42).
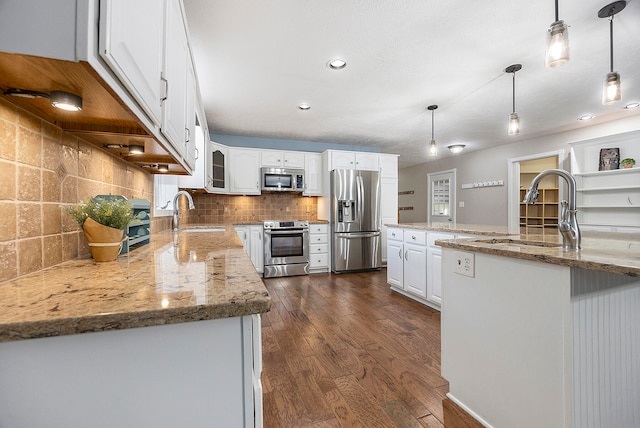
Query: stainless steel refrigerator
(355, 220)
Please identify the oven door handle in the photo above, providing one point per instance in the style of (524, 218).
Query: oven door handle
(357, 235)
(285, 231)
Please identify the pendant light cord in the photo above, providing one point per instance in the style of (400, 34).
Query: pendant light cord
(514, 92)
(611, 40)
(557, 11)
(432, 112)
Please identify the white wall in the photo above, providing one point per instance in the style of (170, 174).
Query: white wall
(489, 205)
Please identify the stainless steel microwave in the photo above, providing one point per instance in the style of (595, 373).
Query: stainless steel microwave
(282, 179)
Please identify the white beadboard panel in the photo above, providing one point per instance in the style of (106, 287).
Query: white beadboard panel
(606, 349)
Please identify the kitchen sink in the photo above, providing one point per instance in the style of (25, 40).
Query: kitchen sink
(192, 229)
(518, 242)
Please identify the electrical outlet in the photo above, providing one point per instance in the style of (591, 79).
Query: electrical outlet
(464, 264)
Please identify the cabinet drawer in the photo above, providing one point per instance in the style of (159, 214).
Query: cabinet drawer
(318, 260)
(415, 236)
(434, 236)
(318, 249)
(319, 228)
(318, 239)
(394, 234)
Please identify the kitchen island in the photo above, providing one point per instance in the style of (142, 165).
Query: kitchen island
(534, 335)
(167, 335)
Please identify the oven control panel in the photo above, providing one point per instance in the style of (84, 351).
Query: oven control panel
(286, 224)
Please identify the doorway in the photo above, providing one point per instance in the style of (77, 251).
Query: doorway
(442, 196)
(544, 214)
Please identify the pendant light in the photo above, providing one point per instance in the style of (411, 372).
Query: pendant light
(611, 91)
(557, 52)
(433, 149)
(514, 119)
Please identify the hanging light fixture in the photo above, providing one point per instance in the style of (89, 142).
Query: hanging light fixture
(433, 149)
(514, 119)
(557, 52)
(611, 91)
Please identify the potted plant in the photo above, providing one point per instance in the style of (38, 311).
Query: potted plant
(628, 162)
(103, 220)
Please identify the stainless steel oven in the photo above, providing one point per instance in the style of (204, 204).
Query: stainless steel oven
(286, 248)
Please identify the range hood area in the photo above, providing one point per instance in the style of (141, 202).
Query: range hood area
(129, 62)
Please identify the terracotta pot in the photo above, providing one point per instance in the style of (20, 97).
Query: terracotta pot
(627, 166)
(105, 242)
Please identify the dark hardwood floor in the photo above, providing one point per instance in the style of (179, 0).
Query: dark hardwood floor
(345, 351)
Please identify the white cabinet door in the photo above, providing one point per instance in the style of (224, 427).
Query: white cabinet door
(200, 175)
(271, 158)
(219, 169)
(395, 265)
(278, 159)
(257, 247)
(339, 159)
(190, 116)
(175, 76)
(165, 188)
(312, 174)
(131, 43)
(415, 269)
(244, 171)
(367, 161)
(434, 275)
(388, 165)
(243, 234)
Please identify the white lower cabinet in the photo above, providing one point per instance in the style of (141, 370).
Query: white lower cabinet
(318, 248)
(252, 241)
(187, 374)
(257, 247)
(414, 264)
(434, 262)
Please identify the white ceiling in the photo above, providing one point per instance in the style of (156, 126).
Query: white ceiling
(257, 60)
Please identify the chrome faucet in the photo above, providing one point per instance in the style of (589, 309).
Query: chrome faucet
(567, 221)
(175, 207)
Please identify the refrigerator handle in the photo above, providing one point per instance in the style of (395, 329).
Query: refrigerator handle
(360, 186)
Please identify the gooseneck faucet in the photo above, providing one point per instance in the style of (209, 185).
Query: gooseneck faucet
(567, 221)
(175, 207)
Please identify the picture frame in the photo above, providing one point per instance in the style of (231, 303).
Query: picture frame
(609, 159)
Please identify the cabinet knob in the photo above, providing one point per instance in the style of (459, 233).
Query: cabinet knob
(413, 237)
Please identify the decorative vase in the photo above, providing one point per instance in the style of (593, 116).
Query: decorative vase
(105, 242)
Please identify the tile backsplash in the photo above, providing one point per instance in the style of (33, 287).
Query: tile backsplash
(219, 209)
(41, 170)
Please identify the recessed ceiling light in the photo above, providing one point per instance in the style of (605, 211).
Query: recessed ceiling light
(587, 116)
(631, 106)
(304, 106)
(337, 64)
(456, 148)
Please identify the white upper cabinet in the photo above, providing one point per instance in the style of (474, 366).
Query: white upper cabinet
(279, 159)
(339, 159)
(388, 165)
(244, 171)
(133, 48)
(174, 78)
(312, 174)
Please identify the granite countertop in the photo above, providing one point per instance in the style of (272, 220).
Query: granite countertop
(615, 253)
(472, 229)
(204, 275)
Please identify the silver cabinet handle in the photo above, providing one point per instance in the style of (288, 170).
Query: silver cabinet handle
(400, 253)
(406, 255)
(257, 185)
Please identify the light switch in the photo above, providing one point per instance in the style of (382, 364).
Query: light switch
(464, 263)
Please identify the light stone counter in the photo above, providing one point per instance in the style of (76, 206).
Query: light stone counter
(614, 253)
(617, 253)
(203, 276)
